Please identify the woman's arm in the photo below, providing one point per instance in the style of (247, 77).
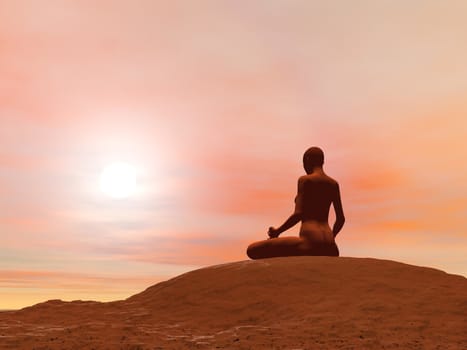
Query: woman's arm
(293, 219)
(340, 219)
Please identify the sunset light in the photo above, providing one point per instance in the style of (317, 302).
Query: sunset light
(118, 180)
(144, 139)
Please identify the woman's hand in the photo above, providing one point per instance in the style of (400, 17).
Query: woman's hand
(273, 232)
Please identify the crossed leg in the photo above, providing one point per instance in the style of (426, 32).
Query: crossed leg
(288, 246)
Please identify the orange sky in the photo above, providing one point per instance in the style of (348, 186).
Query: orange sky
(215, 102)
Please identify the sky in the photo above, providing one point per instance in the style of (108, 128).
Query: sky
(214, 103)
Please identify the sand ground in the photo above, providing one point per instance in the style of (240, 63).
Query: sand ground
(281, 303)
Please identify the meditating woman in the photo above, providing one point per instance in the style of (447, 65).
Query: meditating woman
(316, 192)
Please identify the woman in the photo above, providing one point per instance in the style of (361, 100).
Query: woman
(316, 192)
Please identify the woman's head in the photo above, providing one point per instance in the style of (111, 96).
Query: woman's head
(313, 157)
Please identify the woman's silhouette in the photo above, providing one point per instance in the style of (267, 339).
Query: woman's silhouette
(316, 192)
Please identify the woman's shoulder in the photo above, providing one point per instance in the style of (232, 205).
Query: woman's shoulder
(318, 178)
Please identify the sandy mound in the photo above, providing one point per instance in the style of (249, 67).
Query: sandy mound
(279, 303)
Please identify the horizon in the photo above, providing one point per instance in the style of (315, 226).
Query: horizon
(223, 264)
(210, 108)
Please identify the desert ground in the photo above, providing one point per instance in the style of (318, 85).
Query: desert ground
(280, 303)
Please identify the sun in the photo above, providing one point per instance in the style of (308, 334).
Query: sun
(118, 180)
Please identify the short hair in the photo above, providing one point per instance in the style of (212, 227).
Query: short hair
(313, 156)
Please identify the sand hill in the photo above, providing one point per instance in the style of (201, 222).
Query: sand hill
(280, 303)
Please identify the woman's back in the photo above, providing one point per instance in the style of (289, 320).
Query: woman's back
(316, 196)
(316, 193)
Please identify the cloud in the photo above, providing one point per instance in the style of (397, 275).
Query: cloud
(218, 104)
(25, 287)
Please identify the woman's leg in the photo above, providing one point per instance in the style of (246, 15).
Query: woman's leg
(289, 246)
(276, 247)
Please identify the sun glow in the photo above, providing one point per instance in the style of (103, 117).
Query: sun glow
(118, 180)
